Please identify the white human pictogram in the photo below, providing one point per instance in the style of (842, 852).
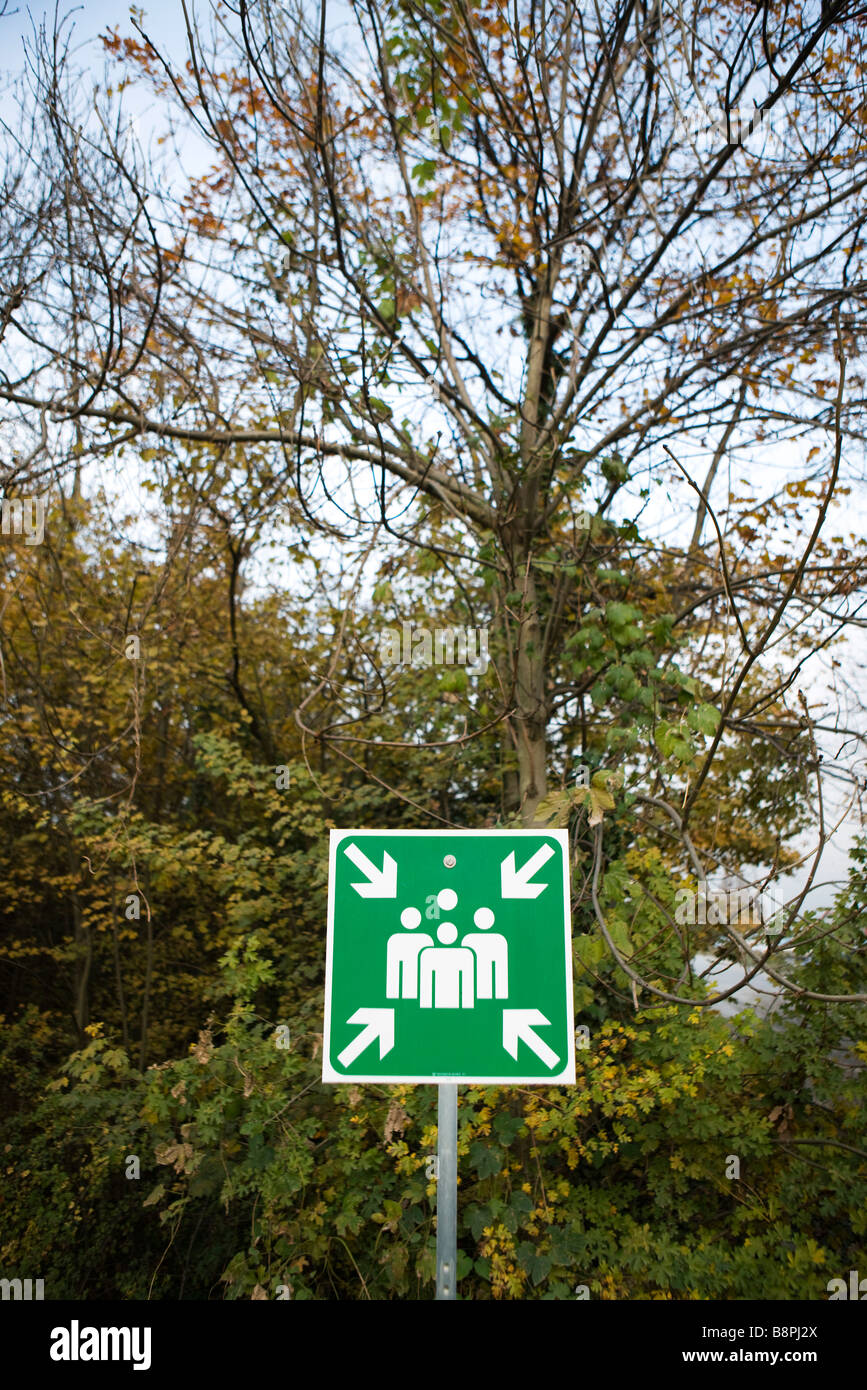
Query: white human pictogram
(401, 965)
(447, 976)
(446, 972)
(492, 957)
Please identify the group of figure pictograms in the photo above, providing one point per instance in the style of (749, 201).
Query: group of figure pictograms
(447, 976)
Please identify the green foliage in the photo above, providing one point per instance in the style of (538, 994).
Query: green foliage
(255, 1175)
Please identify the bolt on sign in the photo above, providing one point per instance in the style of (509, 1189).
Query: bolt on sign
(449, 957)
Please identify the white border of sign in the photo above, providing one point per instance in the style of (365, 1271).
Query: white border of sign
(565, 1077)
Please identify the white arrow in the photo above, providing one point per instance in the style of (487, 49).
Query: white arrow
(378, 1023)
(383, 882)
(515, 883)
(517, 1027)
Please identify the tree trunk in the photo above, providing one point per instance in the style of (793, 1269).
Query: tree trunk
(83, 954)
(531, 717)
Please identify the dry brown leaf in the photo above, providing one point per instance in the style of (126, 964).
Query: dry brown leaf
(395, 1122)
(203, 1048)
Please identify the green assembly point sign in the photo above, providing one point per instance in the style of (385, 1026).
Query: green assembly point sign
(449, 957)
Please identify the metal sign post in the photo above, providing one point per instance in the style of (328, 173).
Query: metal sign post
(447, 1190)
